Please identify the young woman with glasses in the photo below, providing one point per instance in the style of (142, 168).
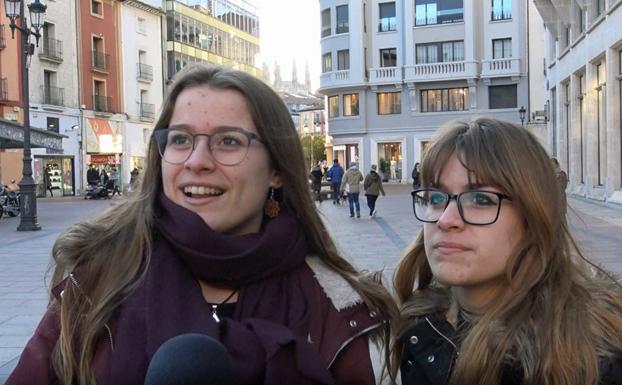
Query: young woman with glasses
(495, 290)
(221, 239)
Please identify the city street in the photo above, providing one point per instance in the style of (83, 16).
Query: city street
(370, 243)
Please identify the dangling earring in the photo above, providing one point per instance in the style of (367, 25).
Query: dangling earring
(271, 208)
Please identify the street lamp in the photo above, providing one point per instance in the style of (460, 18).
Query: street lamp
(15, 12)
(521, 113)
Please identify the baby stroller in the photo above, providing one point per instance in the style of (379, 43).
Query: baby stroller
(97, 191)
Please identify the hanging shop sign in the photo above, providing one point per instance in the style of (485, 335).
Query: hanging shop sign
(103, 136)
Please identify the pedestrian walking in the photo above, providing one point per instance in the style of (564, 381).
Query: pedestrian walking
(373, 188)
(416, 174)
(562, 181)
(115, 177)
(48, 180)
(351, 184)
(222, 239)
(133, 178)
(495, 289)
(316, 181)
(335, 173)
(92, 175)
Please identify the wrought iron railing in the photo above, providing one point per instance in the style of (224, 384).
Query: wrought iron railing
(102, 103)
(52, 49)
(145, 72)
(100, 60)
(147, 110)
(52, 95)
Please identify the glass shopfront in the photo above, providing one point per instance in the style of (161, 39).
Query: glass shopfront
(54, 176)
(390, 161)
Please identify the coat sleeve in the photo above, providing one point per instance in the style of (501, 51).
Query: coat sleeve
(367, 182)
(34, 366)
(380, 185)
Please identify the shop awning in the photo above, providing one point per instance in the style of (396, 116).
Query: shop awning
(12, 136)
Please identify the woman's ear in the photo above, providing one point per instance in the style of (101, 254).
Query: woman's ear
(275, 180)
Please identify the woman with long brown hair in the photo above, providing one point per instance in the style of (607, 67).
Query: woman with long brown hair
(495, 290)
(221, 239)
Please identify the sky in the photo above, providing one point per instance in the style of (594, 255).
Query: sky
(290, 30)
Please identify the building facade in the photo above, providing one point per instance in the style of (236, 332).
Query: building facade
(223, 32)
(583, 44)
(393, 72)
(54, 101)
(142, 80)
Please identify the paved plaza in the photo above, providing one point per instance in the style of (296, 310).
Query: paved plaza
(370, 243)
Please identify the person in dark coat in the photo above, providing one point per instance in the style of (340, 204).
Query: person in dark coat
(92, 176)
(47, 180)
(316, 181)
(373, 187)
(222, 239)
(416, 174)
(335, 173)
(495, 289)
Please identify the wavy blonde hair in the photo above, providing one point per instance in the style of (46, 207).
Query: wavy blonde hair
(113, 250)
(559, 314)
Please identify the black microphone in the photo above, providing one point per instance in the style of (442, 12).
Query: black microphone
(190, 359)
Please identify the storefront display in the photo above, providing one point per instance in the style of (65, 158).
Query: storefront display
(390, 161)
(61, 176)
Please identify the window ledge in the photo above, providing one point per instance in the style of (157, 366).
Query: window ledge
(563, 53)
(440, 24)
(613, 6)
(552, 63)
(578, 39)
(500, 20)
(596, 22)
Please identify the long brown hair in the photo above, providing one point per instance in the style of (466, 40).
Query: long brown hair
(559, 314)
(115, 247)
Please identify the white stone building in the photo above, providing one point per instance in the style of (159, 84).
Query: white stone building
(54, 95)
(394, 71)
(584, 90)
(142, 85)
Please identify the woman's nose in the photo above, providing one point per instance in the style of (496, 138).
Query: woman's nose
(201, 156)
(451, 216)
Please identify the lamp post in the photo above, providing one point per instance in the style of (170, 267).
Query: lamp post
(15, 13)
(521, 113)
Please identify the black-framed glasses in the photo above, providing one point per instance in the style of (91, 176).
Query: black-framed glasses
(476, 207)
(228, 147)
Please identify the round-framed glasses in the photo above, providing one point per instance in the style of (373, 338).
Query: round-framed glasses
(228, 147)
(476, 207)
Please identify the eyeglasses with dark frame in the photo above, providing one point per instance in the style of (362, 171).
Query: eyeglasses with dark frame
(476, 207)
(227, 147)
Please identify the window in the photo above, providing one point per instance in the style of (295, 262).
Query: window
(140, 25)
(389, 103)
(343, 60)
(326, 22)
(429, 12)
(350, 104)
(327, 62)
(501, 10)
(342, 19)
(387, 21)
(600, 7)
(388, 57)
(601, 122)
(447, 51)
(502, 96)
(97, 8)
(333, 106)
(581, 19)
(52, 124)
(501, 48)
(450, 99)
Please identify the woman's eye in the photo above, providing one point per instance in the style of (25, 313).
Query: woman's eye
(180, 139)
(483, 199)
(437, 199)
(228, 141)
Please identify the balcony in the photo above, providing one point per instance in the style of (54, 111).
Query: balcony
(144, 72)
(500, 68)
(52, 49)
(385, 75)
(99, 60)
(102, 103)
(334, 79)
(147, 110)
(2, 38)
(429, 72)
(4, 90)
(52, 95)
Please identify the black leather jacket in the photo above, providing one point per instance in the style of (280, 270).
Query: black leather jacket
(431, 348)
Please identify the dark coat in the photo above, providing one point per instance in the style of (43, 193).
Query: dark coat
(431, 347)
(338, 331)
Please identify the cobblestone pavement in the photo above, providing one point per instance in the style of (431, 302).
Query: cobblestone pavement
(370, 243)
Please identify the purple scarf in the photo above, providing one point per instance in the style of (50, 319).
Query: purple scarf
(267, 338)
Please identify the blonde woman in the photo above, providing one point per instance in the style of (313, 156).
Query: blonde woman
(495, 289)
